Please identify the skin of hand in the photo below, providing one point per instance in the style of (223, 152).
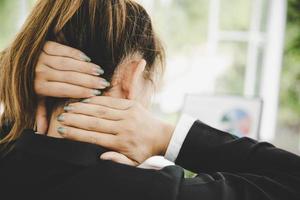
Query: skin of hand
(123, 126)
(62, 71)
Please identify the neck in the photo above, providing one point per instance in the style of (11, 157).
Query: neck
(54, 124)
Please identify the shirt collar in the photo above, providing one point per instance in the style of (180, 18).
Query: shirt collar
(77, 153)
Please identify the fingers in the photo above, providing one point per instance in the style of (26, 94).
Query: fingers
(70, 64)
(89, 123)
(95, 111)
(118, 158)
(101, 139)
(116, 103)
(65, 73)
(64, 90)
(56, 49)
(74, 78)
(41, 117)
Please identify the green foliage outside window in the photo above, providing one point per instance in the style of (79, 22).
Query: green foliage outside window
(289, 113)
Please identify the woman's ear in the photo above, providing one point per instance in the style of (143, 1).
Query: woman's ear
(133, 79)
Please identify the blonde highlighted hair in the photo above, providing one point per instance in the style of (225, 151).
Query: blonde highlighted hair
(106, 30)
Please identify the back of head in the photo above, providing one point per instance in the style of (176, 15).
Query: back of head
(106, 30)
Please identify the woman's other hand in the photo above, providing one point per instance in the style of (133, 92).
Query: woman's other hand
(124, 126)
(66, 72)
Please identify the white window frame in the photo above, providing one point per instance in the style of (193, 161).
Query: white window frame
(273, 43)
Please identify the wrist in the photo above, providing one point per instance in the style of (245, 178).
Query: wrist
(166, 135)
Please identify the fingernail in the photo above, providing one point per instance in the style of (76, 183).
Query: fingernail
(96, 92)
(105, 83)
(98, 71)
(86, 101)
(85, 58)
(68, 108)
(61, 130)
(60, 118)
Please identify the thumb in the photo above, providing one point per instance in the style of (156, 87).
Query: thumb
(118, 158)
(41, 117)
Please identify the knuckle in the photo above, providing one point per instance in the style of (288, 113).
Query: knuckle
(127, 144)
(101, 112)
(123, 145)
(93, 139)
(97, 123)
(93, 124)
(49, 45)
(130, 141)
(62, 61)
(39, 86)
(118, 128)
(119, 143)
(130, 127)
(74, 52)
(70, 78)
(40, 69)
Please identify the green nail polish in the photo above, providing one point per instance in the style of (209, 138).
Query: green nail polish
(86, 101)
(107, 84)
(85, 58)
(61, 130)
(68, 108)
(100, 71)
(60, 118)
(97, 92)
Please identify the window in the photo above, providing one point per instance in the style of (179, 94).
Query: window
(221, 47)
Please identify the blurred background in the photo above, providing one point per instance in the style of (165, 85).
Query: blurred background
(234, 62)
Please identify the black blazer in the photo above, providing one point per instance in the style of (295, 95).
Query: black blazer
(228, 168)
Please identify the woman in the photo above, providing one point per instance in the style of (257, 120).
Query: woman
(118, 36)
(114, 34)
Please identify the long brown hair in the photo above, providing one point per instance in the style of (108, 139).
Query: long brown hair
(106, 30)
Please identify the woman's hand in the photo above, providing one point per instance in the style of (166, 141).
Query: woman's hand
(63, 71)
(123, 126)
